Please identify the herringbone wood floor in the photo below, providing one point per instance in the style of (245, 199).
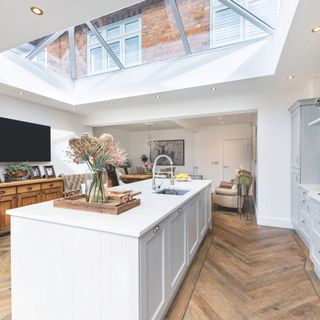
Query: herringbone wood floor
(242, 272)
(248, 272)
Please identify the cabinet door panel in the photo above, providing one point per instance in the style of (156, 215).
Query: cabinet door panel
(295, 197)
(192, 229)
(295, 139)
(6, 203)
(52, 194)
(26, 199)
(202, 216)
(153, 273)
(177, 248)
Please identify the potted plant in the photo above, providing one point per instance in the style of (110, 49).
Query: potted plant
(244, 182)
(16, 172)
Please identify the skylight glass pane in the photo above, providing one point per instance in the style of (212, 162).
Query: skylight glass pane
(91, 57)
(27, 48)
(226, 27)
(147, 33)
(58, 55)
(266, 10)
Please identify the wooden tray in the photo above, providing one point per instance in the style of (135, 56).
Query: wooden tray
(113, 206)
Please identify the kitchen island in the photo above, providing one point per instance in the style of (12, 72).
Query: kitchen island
(75, 265)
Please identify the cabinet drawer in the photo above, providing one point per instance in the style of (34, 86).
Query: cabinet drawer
(7, 191)
(303, 193)
(305, 225)
(314, 206)
(51, 185)
(29, 188)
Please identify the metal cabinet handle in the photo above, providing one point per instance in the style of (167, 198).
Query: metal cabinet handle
(303, 201)
(51, 185)
(304, 193)
(303, 221)
(29, 188)
(156, 229)
(2, 192)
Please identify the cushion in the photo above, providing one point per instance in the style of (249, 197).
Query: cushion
(227, 192)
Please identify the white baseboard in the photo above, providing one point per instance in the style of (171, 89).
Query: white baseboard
(274, 222)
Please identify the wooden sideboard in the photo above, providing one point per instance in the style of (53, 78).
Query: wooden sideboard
(23, 193)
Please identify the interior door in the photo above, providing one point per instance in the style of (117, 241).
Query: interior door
(235, 153)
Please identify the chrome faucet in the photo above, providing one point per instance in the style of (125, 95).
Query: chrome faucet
(154, 185)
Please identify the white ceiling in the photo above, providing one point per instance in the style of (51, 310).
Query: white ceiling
(300, 55)
(19, 25)
(193, 124)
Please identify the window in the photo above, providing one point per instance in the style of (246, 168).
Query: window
(229, 27)
(123, 38)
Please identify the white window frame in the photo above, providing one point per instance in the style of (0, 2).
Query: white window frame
(243, 25)
(121, 38)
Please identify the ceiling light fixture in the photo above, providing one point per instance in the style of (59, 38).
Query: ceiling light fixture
(149, 143)
(37, 11)
(157, 97)
(290, 77)
(316, 29)
(20, 93)
(220, 118)
(213, 89)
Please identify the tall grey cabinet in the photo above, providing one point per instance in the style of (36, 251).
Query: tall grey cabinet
(305, 151)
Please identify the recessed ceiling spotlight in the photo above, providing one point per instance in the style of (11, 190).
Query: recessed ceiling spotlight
(290, 77)
(20, 93)
(316, 29)
(111, 103)
(157, 97)
(213, 89)
(220, 118)
(37, 11)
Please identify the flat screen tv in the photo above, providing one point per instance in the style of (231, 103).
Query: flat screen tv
(23, 141)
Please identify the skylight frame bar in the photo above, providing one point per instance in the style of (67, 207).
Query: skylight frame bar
(104, 44)
(72, 54)
(180, 26)
(248, 15)
(44, 45)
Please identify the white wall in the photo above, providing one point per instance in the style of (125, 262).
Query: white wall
(209, 148)
(202, 148)
(132, 142)
(64, 125)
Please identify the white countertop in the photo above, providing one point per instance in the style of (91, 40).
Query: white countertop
(313, 190)
(135, 222)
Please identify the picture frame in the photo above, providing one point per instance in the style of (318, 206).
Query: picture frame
(49, 171)
(35, 172)
(175, 149)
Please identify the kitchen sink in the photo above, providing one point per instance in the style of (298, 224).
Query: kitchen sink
(174, 192)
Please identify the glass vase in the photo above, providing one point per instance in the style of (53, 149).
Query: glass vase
(97, 186)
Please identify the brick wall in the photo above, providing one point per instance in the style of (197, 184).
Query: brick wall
(160, 36)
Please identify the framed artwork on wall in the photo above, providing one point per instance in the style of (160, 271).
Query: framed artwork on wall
(172, 148)
(49, 171)
(35, 172)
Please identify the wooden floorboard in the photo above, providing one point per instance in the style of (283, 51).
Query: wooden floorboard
(241, 272)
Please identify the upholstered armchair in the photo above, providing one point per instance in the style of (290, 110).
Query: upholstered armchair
(227, 194)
